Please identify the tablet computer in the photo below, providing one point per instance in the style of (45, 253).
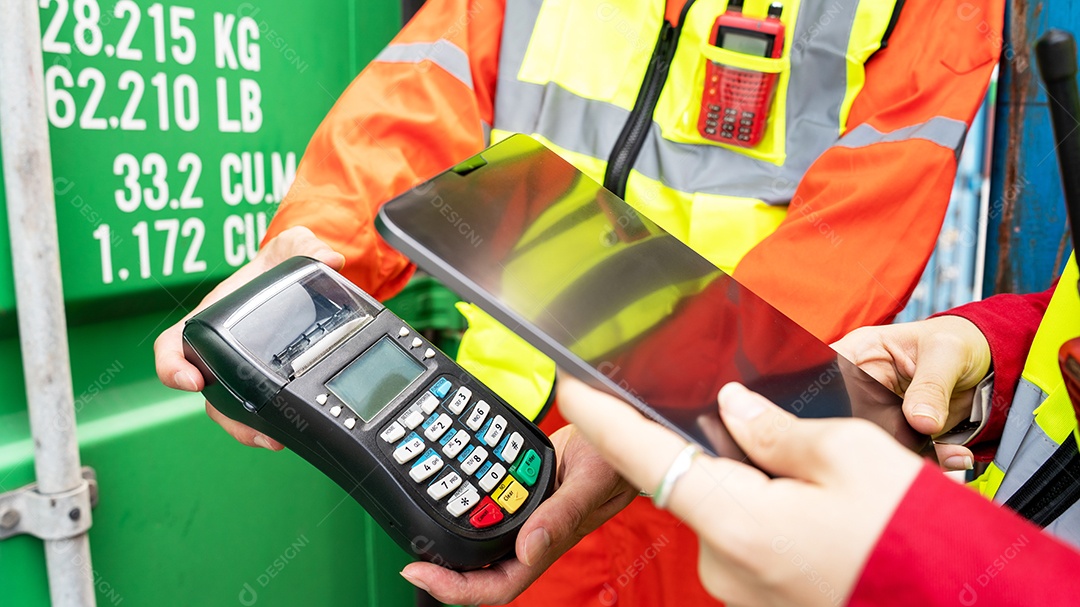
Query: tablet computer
(617, 301)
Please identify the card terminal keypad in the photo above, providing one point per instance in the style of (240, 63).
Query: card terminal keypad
(464, 454)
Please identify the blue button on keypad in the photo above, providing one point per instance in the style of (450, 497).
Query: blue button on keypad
(441, 387)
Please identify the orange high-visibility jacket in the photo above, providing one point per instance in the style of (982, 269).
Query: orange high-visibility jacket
(858, 232)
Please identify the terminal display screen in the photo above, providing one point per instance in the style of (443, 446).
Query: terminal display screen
(375, 379)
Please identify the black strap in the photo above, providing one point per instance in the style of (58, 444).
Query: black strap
(1053, 488)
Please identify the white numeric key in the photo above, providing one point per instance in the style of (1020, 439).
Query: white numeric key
(495, 432)
(478, 415)
(409, 450)
(442, 487)
(474, 460)
(461, 398)
(438, 427)
(426, 467)
(456, 444)
(492, 478)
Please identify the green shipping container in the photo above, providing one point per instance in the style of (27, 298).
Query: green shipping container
(176, 128)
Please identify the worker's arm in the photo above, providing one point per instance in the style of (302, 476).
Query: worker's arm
(865, 218)
(1009, 323)
(845, 515)
(945, 545)
(416, 110)
(939, 365)
(420, 107)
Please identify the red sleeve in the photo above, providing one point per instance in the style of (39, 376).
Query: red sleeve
(417, 109)
(1009, 323)
(947, 546)
(864, 220)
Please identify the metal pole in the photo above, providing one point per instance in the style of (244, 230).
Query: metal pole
(24, 137)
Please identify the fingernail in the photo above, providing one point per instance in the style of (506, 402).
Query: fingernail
(184, 381)
(922, 410)
(536, 545)
(959, 462)
(415, 582)
(739, 402)
(261, 441)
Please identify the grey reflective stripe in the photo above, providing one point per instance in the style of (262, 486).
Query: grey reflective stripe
(1023, 449)
(442, 53)
(1018, 425)
(816, 93)
(949, 133)
(517, 104)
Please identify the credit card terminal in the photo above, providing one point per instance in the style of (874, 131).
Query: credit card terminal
(735, 103)
(302, 355)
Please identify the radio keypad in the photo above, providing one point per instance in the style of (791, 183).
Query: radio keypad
(501, 472)
(335, 410)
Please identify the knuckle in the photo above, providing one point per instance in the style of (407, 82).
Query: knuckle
(931, 386)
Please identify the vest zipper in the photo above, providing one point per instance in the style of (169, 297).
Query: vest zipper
(628, 145)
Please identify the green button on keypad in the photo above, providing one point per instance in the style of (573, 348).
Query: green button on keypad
(527, 468)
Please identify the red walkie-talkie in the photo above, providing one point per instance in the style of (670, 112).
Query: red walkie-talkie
(735, 102)
(1056, 54)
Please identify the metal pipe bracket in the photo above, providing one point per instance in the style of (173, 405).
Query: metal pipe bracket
(50, 517)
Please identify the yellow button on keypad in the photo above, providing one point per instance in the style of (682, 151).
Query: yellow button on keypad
(510, 495)
(501, 487)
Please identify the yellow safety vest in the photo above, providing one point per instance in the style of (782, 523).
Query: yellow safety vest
(721, 200)
(1042, 415)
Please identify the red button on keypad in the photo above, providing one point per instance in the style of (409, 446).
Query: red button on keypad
(486, 514)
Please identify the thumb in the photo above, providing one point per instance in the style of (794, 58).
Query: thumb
(774, 439)
(589, 493)
(926, 400)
